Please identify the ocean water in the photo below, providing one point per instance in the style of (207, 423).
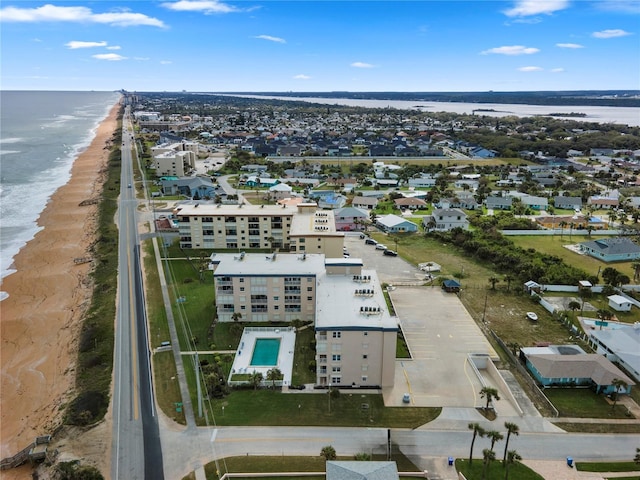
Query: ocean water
(619, 115)
(41, 134)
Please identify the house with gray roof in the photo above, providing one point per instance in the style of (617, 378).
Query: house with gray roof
(618, 249)
(569, 365)
(445, 219)
(350, 218)
(364, 202)
(567, 203)
(498, 203)
(395, 224)
(536, 203)
(620, 345)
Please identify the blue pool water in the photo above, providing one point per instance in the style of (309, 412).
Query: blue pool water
(265, 352)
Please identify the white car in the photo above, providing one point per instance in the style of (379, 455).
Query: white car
(381, 246)
(532, 316)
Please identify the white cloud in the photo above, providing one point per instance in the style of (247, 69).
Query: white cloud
(361, 65)
(302, 77)
(613, 33)
(112, 57)
(530, 69)
(53, 13)
(511, 50)
(271, 39)
(621, 6)
(569, 45)
(557, 70)
(206, 6)
(525, 8)
(73, 44)
(114, 47)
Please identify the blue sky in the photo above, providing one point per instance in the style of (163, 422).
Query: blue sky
(266, 45)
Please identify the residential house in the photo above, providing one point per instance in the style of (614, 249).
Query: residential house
(395, 224)
(567, 203)
(422, 182)
(195, 187)
(620, 345)
(604, 203)
(445, 219)
(618, 249)
(535, 203)
(411, 203)
(498, 203)
(570, 222)
(364, 202)
(351, 218)
(280, 191)
(569, 365)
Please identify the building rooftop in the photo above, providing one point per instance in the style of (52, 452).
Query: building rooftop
(211, 209)
(351, 302)
(314, 222)
(269, 264)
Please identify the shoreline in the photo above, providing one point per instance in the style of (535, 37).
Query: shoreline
(48, 295)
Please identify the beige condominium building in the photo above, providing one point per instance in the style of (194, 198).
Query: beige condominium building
(177, 159)
(302, 228)
(355, 334)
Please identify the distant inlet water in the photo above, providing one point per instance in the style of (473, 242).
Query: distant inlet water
(618, 115)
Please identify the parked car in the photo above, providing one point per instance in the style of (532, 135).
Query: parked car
(390, 253)
(362, 235)
(370, 241)
(381, 246)
(532, 316)
(406, 398)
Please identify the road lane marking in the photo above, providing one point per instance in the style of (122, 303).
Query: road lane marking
(134, 343)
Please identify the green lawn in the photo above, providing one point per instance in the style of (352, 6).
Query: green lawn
(271, 407)
(608, 467)
(496, 471)
(265, 464)
(583, 403)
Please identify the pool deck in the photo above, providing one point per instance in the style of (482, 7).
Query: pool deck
(287, 336)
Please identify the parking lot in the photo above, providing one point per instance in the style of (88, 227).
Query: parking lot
(439, 331)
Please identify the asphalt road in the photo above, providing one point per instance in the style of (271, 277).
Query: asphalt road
(136, 449)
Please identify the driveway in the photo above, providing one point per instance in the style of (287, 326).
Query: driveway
(439, 331)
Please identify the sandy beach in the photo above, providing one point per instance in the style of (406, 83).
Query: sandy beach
(48, 295)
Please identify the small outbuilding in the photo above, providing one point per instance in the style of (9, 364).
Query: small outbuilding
(619, 303)
(451, 286)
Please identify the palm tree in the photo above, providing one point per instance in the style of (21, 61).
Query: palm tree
(493, 280)
(328, 452)
(590, 228)
(512, 457)
(488, 456)
(571, 227)
(512, 429)
(562, 224)
(237, 316)
(508, 278)
(636, 270)
(619, 384)
(256, 379)
(489, 393)
(274, 374)
(477, 431)
(495, 436)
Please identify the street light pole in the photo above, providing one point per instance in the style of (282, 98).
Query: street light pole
(329, 399)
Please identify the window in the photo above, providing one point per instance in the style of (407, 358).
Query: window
(365, 333)
(365, 368)
(335, 369)
(242, 280)
(309, 289)
(336, 357)
(242, 289)
(337, 334)
(309, 299)
(364, 378)
(276, 298)
(365, 356)
(336, 380)
(365, 346)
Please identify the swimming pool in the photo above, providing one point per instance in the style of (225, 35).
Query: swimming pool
(265, 352)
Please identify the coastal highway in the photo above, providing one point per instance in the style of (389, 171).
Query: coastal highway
(136, 449)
